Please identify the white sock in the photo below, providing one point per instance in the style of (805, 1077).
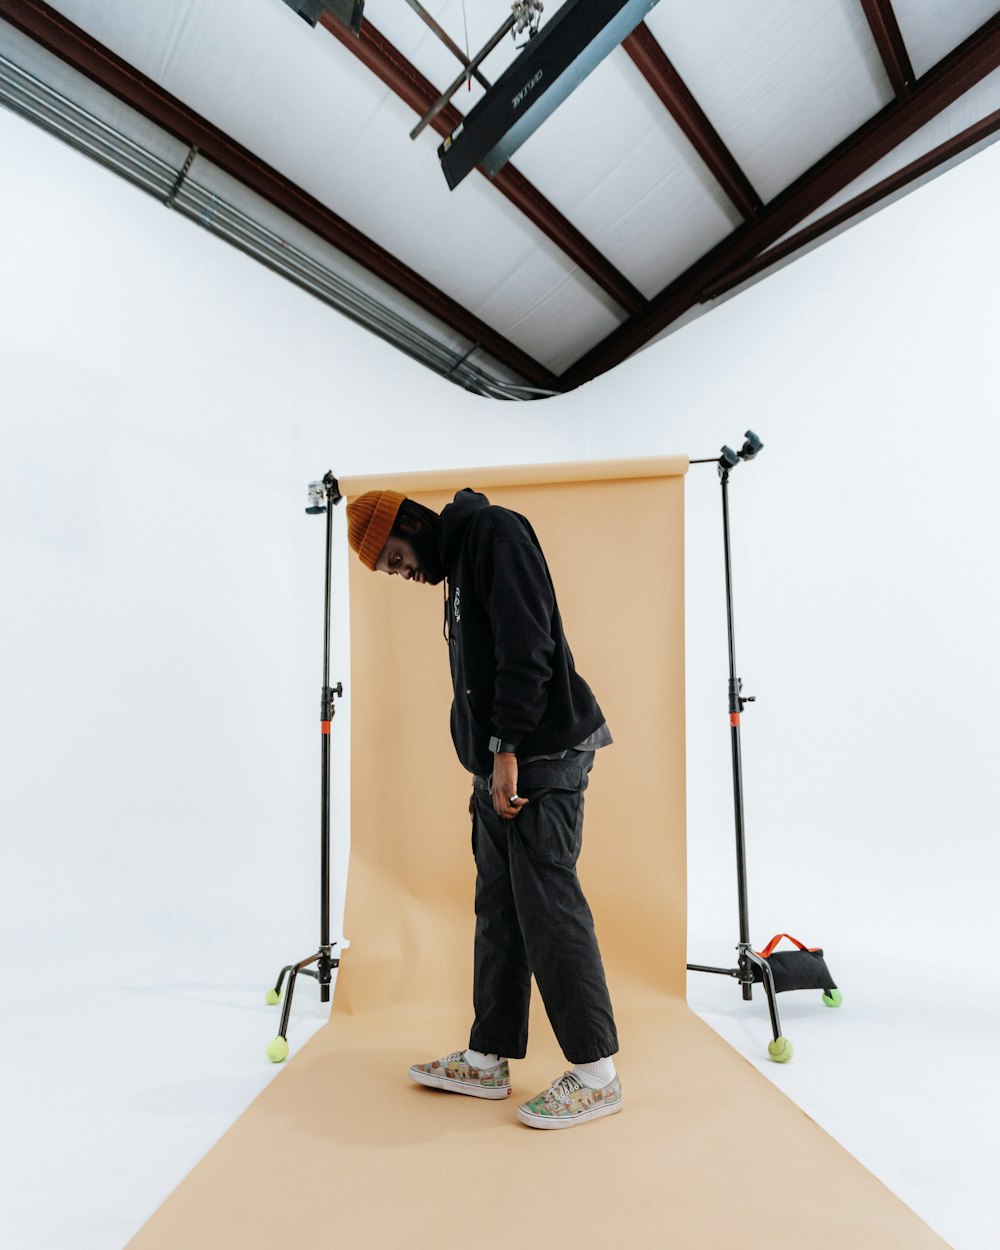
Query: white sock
(596, 1075)
(476, 1059)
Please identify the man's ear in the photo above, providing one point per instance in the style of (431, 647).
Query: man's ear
(409, 525)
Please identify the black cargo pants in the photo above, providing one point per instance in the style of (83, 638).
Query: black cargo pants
(532, 917)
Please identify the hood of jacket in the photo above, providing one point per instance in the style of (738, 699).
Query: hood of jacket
(454, 518)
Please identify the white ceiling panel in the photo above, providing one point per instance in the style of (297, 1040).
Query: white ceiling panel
(536, 314)
(782, 81)
(979, 102)
(932, 28)
(615, 163)
(300, 101)
(157, 36)
(47, 68)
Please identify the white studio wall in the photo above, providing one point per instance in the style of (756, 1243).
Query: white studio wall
(165, 403)
(865, 545)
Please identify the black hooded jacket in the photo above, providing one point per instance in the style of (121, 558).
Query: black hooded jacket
(511, 668)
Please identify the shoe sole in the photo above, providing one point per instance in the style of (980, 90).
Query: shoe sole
(549, 1121)
(452, 1086)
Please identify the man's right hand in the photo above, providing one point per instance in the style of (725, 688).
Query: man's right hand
(504, 785)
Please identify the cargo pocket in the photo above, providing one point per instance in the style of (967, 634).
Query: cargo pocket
(551, 826)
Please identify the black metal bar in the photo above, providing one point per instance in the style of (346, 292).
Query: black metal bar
(286, 1008)
(729, 578)
(448, 42)
(728, 972)
(766, 975)
(281, 978)
(735, 707)
(741, 868)
(326, 598)
(445, 97)
(326, 714)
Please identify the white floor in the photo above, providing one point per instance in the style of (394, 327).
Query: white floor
(119, 1078)
(904, 1075)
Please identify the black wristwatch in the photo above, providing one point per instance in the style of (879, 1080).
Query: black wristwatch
(496, 746)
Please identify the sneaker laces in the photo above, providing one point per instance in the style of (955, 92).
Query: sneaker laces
(567, 1084)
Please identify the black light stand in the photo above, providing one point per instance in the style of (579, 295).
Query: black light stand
(277, 1049)
(780, 1049)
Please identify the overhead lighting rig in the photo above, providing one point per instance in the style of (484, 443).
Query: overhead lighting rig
(553, 63)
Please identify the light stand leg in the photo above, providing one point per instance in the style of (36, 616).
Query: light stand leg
(324, 958)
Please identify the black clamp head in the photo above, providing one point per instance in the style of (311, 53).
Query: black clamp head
(321, 492)
(730, 459)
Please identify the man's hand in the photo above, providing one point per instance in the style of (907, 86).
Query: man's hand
(504, 787)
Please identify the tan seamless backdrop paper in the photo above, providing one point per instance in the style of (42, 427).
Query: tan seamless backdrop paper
(342, 1150)
(615, 550)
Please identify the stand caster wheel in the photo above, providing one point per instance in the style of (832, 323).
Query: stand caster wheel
(277, 1049)
(780, 1049)
(271, 997)
(833, 999)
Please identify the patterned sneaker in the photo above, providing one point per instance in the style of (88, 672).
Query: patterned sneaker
(568, 1101)
(458, 1077)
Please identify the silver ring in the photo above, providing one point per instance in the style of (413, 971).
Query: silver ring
(513, 799)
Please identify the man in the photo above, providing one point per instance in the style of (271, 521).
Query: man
(526, 726)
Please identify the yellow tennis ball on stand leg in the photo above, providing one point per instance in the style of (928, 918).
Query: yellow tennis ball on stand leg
(277, 1049)
(780, 1049)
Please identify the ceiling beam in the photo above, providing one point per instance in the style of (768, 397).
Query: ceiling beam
(651, 61)
(917, 169)
(892, 49)
(78, 49)
(967, 65)
(389, 65)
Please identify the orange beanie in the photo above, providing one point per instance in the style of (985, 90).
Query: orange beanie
(369, 519)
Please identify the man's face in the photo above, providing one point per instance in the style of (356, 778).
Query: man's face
(399, 557)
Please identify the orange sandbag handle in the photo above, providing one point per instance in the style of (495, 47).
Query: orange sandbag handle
(769, 948)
